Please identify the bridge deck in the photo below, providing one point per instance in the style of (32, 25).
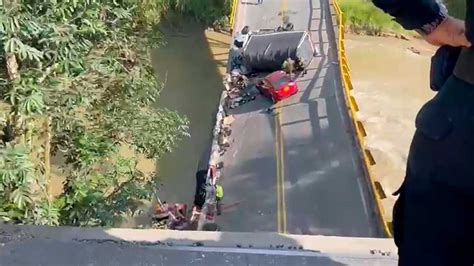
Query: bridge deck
(298, 170)
(21, 245)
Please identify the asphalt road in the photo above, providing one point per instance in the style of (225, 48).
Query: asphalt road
(297, 170)
(62, 245)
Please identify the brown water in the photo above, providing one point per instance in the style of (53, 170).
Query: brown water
(191, 64)
(391, 83)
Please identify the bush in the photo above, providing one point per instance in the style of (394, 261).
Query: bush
(85, 65)
(363, 16)
(209, 12)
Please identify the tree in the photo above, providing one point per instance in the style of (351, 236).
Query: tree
(20, 201)
(84, 65)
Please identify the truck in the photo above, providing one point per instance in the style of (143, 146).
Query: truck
(265, 51)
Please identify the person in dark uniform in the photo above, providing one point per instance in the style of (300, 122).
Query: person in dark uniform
(433, 218)
(200, 193)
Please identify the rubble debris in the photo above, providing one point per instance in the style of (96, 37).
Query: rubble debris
(403, 37)
(198, 244)
(223, 141)
(228, 120)
(414, 50)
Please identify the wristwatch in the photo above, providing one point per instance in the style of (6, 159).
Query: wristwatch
(440, 18)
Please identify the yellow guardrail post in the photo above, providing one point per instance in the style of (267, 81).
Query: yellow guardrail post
(359, 128)
(233, 12)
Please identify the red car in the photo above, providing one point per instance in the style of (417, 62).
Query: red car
(277, 86)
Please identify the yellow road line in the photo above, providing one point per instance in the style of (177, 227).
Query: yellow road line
(280, 184)
(282, 177)
(284, 6)
(279, 156)
(283, 9)
(282, 155)
(278, 173)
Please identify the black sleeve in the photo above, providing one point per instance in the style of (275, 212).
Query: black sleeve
(470, 20)
(414, 14)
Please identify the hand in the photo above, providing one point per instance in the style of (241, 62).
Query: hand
(450, 32)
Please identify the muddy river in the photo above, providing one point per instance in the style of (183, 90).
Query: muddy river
(391, 83)
(190, 63)
(193, 87)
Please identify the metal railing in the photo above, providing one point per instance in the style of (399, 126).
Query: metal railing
(359, 127)
(233, 12)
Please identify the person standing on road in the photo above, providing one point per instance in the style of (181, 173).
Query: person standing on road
(433, 217)
(219, 196)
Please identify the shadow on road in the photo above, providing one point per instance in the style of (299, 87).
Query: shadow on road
(327, 174)
(251, 207)
(70, 246)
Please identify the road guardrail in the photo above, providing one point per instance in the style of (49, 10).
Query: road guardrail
(233, 12)
(369, 160)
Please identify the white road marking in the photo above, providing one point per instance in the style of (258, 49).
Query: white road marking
(322, 108)
(324, 123)
(258, 251)
(361, 190)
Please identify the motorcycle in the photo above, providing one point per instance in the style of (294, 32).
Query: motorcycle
(172, 218)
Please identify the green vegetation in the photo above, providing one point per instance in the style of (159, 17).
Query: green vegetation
(457, 8)
(76, 80)
(361, 16)
(208, 12)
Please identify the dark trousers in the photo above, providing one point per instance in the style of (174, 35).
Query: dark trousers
(219, 205)
(434, 214)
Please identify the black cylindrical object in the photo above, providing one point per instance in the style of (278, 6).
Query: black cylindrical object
(442, 65)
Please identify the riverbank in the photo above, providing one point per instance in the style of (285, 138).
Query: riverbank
(362, 17)
(391, 83)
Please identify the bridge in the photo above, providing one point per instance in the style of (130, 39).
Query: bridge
(28, 245)
(301, 169)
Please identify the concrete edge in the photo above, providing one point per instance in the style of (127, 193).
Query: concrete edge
(372, 247)
(207, 213)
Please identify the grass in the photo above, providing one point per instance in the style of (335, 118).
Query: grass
(361, 16)
(206, 11)
(457, 8)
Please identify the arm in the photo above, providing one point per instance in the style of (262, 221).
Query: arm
(420, 15)
(427, 17)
